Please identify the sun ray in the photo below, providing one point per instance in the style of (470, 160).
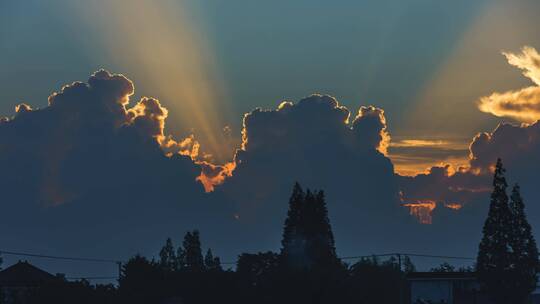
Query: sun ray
(162, 47)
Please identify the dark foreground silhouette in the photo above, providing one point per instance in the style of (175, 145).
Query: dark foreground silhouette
(307, 269)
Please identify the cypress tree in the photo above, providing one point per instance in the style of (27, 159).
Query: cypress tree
(167, 257)
(524, 250)
(211, 263)
(191, 258)
(319, 232)
(494, 255)
(308, 240)
(292, 243)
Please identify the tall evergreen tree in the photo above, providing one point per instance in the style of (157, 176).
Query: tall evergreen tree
(524, 250)
(167, 257)
(292, 249)
(211, 263)
(191, 258)
(308, 240)
(494, 255)
(320, 239)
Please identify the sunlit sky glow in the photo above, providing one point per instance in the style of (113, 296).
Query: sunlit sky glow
(425, 63)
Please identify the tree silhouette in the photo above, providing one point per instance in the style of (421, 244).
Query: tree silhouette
(494, 255)
(320, 247)
(167, 257)
(308, 240)
(211, 263)
(293, 243)
(140, 281)
(524, 251)
(371, 281)
(309, 270)
(190, 256)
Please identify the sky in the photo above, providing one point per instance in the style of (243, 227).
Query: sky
(209, 110)
(222, 57)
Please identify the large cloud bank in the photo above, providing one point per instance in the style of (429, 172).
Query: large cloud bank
(87, 140)
(93, 174)
(88, 176)
(517, 145)
(468, 187)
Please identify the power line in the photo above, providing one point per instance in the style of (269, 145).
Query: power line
(118, 262)
(438, 256)
(35, 255)
(356, 257)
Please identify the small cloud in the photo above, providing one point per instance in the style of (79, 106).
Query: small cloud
(412, 156)
(528, 61)
(419, 143)
(524, 104)
(22, 108)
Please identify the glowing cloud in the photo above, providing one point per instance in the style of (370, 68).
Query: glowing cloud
(422, 210)
(371, 118)
(169, 55)
(455, 188)
(412, 156)
(528, 61)
(214, 175)
(524, 104)
(89, 129)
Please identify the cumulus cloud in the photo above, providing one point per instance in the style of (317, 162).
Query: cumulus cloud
(87, 130)
(517, 145)
(118, 180)
(314, 141)
(524, 104)
(90, 174)
(370, 125)
(114, 176)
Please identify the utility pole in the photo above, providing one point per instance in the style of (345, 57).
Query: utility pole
(400, 279)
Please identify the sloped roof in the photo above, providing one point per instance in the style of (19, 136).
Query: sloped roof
(24, 274)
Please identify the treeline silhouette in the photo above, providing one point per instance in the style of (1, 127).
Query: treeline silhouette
(307, 269)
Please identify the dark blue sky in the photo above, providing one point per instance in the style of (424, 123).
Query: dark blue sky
(386, 53)
(88, 174)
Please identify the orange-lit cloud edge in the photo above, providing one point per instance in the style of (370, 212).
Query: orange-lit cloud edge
(212, 175)
(151, 117)
(522, 105)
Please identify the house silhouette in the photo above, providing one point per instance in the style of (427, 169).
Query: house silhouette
(20, 280)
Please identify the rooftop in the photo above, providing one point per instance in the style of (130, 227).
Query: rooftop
(24, 274)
